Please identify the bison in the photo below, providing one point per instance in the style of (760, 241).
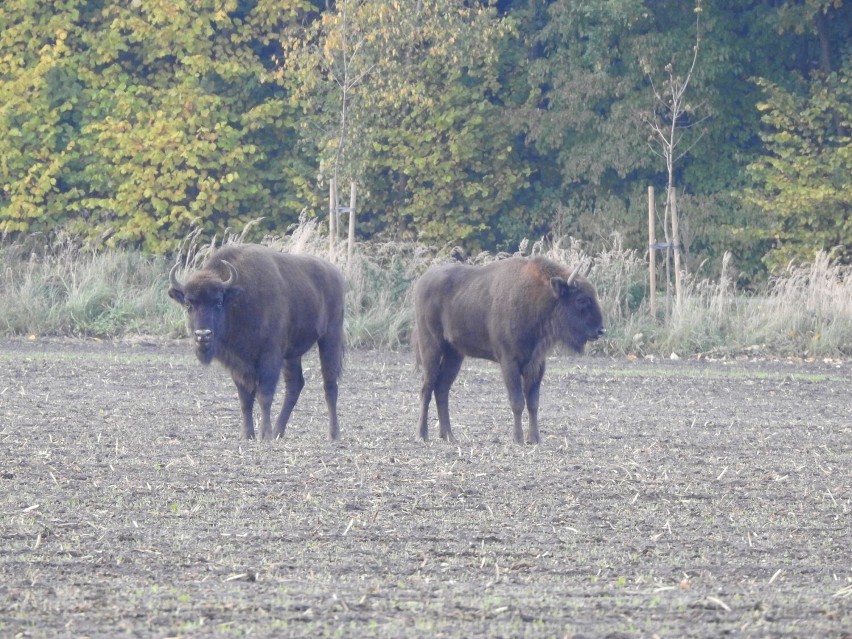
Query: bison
(512, 311)
(257, 310)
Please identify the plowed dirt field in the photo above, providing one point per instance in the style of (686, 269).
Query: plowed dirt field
(669, 499)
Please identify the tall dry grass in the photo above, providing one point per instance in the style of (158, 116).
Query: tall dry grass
(807, 309)
(57, 288)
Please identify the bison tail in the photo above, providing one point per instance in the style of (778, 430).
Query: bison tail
(416, 346)
(341, 358)
(332, 350)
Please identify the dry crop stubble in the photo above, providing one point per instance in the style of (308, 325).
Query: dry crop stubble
(676, 498)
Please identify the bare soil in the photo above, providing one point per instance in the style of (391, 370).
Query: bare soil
(669, 499)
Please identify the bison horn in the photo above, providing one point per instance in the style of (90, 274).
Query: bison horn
(173, 280)
(232, 278)
(571, 277)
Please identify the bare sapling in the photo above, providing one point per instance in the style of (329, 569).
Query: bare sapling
(670, 119)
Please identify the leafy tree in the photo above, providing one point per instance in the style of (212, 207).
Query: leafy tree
(424, 132)
(466, 121)
(40, 112)
(826, 20)
(588, 88)
(804, 183)
(167, 114)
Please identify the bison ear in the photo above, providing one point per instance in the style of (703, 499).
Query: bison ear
(560, 287)
(177, 295)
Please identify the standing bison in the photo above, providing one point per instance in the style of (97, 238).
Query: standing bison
(513, 312)
(256, 311)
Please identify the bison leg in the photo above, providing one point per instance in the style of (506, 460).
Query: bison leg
(448, 370)
(331, 363)
(269, 373)
(247, 408)
(512, 378)
(430, 359)
(294, 382)
(533, 374)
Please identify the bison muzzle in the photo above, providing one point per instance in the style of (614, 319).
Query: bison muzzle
(513, 312)
(258, 311)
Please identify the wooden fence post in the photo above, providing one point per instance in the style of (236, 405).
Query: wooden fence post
(677, 251)
(652, 252)
(350, 249)
(332, 214)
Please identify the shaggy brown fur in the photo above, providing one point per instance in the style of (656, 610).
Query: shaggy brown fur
(514, 312)
(257, 310)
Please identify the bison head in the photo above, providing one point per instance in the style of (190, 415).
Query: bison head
(577, 316)
(206, 296)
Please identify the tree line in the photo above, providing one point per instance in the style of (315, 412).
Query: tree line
(132, 122)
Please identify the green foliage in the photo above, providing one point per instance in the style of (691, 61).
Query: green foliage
(40, 97)
(804, 184)
(581, 112)
(135, 120)
(588, 80)
(478, 123)
(417, 126)
(589, 83)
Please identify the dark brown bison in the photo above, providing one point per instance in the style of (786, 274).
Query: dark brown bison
(257, 310)
(512, 311)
